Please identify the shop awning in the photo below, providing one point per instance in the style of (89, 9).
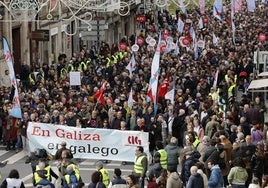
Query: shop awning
(258, 84)
(263, 74)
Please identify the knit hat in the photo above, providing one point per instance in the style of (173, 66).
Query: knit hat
(99, 164)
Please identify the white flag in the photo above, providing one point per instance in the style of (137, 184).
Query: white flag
(180, 25)
(216, 79)
(131, 65)
(200, 23)
(215, 40)
(170, 95)
(130, 99)
(251, 5)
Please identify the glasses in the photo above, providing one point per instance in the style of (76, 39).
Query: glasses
(105, 122)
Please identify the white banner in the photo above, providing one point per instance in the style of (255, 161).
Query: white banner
(75, 78)
(87, 143)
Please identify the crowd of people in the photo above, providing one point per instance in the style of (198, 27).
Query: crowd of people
(205, 138)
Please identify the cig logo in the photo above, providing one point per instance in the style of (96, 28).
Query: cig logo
(134, 140)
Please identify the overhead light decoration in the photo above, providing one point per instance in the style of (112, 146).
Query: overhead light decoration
(64, 11)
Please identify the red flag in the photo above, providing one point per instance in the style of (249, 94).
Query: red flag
(99, 94)
(163, 88)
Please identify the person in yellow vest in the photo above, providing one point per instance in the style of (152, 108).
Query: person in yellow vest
(31, 79)
(213, 93)
(161, 154)
(43, 173)
(82, 66)
(63, 72)
(72, 178)
(104, 172)
(140, 165)
(231, 87)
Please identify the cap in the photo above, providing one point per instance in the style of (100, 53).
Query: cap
(99, 164)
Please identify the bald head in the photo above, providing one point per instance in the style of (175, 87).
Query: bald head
(193, 169)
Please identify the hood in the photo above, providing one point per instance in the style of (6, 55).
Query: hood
(197, 175)
(158, 166)
(200, 171)
(215, 167)
(174, 176)
(240, 169)
(171, 147)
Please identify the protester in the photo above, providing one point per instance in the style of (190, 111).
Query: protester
(173, 180)
(140, 165)
(104, 172)
(195, 180)
(173, 153)
(132, 181)
(96, 180)
(238, 174)
(13, 180)
(117, 179)
(215, 179)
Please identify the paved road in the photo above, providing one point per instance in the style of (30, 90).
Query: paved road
(17, 161)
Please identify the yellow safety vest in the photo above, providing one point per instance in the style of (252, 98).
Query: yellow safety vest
(105, 177)
(138, 168)
(121, 55)
(108, 62)
(82, 66)
(88, 62)
(196, 142)
(63, 72)
(31, 79)
(37, 178)
(163, 158)
(70, 68)
(115, 58)
(230, 90)
(68, 178)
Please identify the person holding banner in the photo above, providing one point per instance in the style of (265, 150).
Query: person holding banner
(140, 165)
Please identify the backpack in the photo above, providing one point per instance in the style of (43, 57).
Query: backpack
(73, 181)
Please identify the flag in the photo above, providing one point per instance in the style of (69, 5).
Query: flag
(215, 40)
(16, 108)
(196, 55)
(163, 88)
(216, 13)
(177, 50)
(153, 83)
(251, 5)
(130, 99)
(200, 23)
(217, 9)
(216, 79)
(99, 94)
(219, 5)
(180, 25)
(131, 65)
(237, 5)
(232, 21)
(192, 32)
(202, 5)
(170, 95)
(183, 7)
